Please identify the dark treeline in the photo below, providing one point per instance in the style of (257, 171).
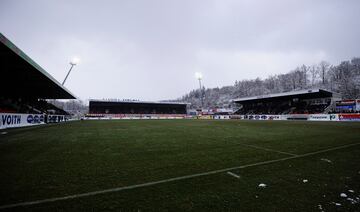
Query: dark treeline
(343, 79)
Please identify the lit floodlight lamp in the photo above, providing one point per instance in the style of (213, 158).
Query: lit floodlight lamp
(198, 75)
(75, 61)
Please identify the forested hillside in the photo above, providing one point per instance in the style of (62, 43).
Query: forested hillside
(343, 78)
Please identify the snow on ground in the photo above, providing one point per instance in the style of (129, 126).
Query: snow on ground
(326, 160)
(347, 199)
(262, 185)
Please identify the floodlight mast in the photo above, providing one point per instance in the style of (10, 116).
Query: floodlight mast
(199, 77)
(72, 63)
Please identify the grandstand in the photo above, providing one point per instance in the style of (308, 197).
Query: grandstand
(310, 101)
(348, 106)
(26, 86)
(130, 108)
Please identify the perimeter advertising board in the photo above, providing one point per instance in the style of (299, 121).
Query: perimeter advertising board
(349, 117)
(320, 117)
(55, 118)
(324, 117)
(221, 116)
(263, 117)
(9, 120)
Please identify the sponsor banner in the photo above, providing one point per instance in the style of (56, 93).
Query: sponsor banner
(205, 117)
(55, 118)
(94, 115)
(319, 117)
(349, 117)
(221, 117)
(297, 117)
(345, 107)
(324, 117)
(263, 117)
(9, 120)
(334, 117)
(273, 117)
(237, 117)
(137, 116)
(251, 117)
(310, 117)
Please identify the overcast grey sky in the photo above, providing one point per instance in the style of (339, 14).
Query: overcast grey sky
(150, 49)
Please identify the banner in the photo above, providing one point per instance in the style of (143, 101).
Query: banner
(55, 118)
(9, 120)
(221, 116)
(324, 117)
(263, 117)
(205, 117)
(334, 117)
(236, 116)
(297, 117)
(349, 117)
(320, 117)
(310, 117)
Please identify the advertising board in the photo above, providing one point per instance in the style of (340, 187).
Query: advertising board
(349, 117)
(9, 120)
(319, 117)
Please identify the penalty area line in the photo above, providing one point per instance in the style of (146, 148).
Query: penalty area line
(234, 175)
(111, 190)
(267, 149)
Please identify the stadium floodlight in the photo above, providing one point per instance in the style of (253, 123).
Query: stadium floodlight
(199, 77)
(73, 63)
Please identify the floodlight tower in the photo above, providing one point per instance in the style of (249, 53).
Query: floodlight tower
(73, 63)
(199, 77)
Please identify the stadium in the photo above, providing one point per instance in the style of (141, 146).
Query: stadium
(292, 151)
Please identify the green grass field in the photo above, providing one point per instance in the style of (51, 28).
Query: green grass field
(41, 163)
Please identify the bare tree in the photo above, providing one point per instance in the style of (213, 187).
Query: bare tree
(304, 70)
(323, 70)
(343, 78)
(314, 72)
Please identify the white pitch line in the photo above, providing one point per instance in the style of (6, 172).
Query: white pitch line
(36, 202)
(234, 175)
(270, 150)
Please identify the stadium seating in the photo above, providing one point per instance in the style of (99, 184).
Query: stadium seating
(29, 107)
(278, 108)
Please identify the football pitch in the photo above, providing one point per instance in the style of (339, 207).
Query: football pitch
(181, 165)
